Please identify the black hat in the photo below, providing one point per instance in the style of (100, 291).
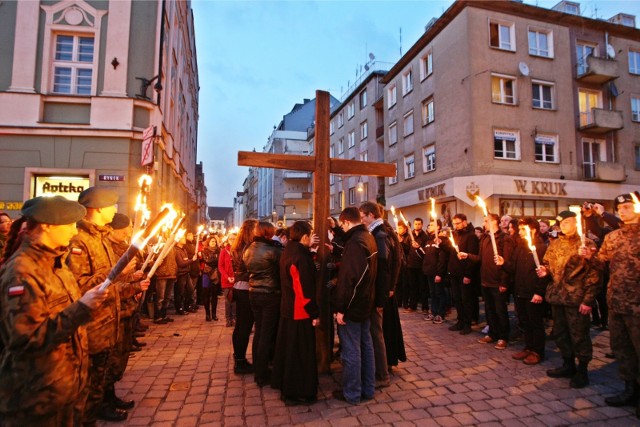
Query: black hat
(624, 198)
(98, 197)
(119, 221)
(53, 210)
(564, 215)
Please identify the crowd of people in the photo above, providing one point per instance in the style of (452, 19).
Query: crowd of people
(65, 339)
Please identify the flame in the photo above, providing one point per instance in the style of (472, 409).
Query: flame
(393, 210)
(180, 234)
(577, 210)
(200, 228)
(434, 216)
(529, 238)
(145, 180)
(453, 242)
(636, 202)
(404, 219)
(482, 205)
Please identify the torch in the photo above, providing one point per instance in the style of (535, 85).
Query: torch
(453, 242)
(200, 228)
(395, 217)
(142, 213)
(483, 206)
(434, 220)
(175, 236)
(531, 246)
(154, 251)
(138, 242)
(408, 226)
(577, 210)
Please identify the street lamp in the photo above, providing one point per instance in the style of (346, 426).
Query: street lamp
(284, 212)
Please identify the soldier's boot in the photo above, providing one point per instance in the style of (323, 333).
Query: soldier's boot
(242, 366)
(580, 379)
(567, 370)
(114, 401)
(108, 413)
(628, 397)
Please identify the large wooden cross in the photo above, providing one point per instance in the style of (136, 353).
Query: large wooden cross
(322, 166)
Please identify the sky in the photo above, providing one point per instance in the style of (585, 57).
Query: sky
(257, 59)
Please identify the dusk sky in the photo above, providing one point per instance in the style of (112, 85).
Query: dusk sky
(257, 59)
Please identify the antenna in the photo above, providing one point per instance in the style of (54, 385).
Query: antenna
(400, 41)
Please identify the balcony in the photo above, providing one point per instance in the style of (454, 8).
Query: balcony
(604, 171)
(601, 121)
(296, 175)
(379, 131)
(597, 70)
(304, 195)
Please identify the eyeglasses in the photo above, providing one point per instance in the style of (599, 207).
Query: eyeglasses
(457, 223)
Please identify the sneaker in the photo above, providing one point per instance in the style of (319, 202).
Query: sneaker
(486, 340)
(429, 317)
(437, 320)
(501, 345)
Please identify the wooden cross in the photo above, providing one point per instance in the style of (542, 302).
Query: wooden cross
(322, 166)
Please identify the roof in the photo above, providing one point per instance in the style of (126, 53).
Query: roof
(302, 116)
(218, 212)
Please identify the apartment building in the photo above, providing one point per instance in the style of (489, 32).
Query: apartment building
(529, 108)
(80, 81)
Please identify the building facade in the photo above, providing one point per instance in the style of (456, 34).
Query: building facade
(80, 81)
(531, 109)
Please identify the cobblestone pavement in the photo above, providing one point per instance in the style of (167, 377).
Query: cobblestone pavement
(184, 377)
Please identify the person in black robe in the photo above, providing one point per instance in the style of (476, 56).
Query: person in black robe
(295, 371)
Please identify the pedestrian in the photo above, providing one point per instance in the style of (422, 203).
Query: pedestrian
(402, 290)
(262, 258)
(210, 278)
(165, 277)
(621, 250)
(352, 304)
(295, 370)
(194, 253)
(5, 225)
(417, 294)
(434, 267)
(227, 279)
(571, 293)
(44, 355)
(181, 288)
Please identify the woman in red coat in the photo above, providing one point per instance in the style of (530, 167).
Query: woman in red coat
(227, 279)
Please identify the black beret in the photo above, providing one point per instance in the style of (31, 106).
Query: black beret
(624, 198)
(53, 210)
(98, 197)
(119, 221)
(564, 215)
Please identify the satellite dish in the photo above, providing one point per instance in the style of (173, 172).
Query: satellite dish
(611, 52)
(524, 68)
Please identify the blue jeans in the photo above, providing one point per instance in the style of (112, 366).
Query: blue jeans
(358, 364)
(436, 290)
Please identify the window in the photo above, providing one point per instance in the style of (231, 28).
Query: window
(429, 158)
(506, 144)
(364, 130)
(503, 89)
(542, 95)
(341, 146)
(593, 151)
(407, 82)
(584, 50)
(352, 196)
(364, 157)
(394, 179)
(332, 179)
(635, 109)
(393, 133)
(392, 94)
(363, 99)
(340, 196)
(428, 114)
(634, 62)
(73, 65)
(409, 167)
(637, 154)
(502, 35)
(332, 127)
(340, 119)
(546, 148)
(408, 123)
(541, 43)
(587, 101)
(332, 150)
(426, 66)
(351, 110)
(351, 139)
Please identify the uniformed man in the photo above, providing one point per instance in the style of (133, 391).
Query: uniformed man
(574, 284)
(43, 343)
(91, 260)
(621, 249)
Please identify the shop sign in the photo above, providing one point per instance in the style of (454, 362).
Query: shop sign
(111, 178)
(543, 188)
(435, 191)
(67, 186)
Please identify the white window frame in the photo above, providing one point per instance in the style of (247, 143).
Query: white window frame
(505, 136)
(634, 61)
(332, 150)
(340, 145)
(351, 109)
(74, 65)
(635, 108)
(428, 111)
(363, 98)
(364, 130)
(509, 45)
(534, 48)
(501, 97)
(340, 119)
(407, 124)
(394, 179)
(393, 133)
(584, 50)
(426, 65)
(537, 94)
(429, 158)
(543, 144)
(352, 196)
(407, 82)
(409, 166)
(597, 147)
(351, 139)
(392, 96)
(332, 127)
(585, 107)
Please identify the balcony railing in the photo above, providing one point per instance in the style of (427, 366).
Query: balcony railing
(600, 121)
(604, 171)
(304, 195)
(296, 175)
(597, 70)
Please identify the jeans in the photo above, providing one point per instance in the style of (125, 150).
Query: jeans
(436, 290)
(163, 294)
(495, 307)
(210, 296)
(244, 324)
(181, 286)
(358, 365)
(266, 312)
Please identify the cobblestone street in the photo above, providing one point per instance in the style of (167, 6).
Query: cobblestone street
(184, 377)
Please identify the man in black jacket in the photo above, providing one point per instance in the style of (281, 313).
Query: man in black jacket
(353, 303)
(417, 286)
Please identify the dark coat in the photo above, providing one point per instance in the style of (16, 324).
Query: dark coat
(523, 268)
(298, 283)
(467, 242)
(436, 257)
(414, 260)
(262, 258)
(492, 275)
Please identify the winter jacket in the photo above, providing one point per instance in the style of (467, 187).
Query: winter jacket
(436, 257)
(467, 242)
(182, 260)
(492, 275)
(225, 267)
(414, 260)
(262, 258)
(168, 269)
(523, 269)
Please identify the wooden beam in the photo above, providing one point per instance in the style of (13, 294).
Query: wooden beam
(277, 161)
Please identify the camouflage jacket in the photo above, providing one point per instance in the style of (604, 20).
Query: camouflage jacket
(90, 259)
(128, 288)
(574, 279)
(621, 248)
(43, 347)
